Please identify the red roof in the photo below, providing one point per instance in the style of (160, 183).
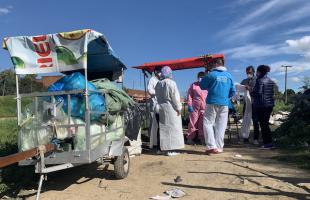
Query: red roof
(179, 64)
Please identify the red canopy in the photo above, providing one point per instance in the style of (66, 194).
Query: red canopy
(179, 64)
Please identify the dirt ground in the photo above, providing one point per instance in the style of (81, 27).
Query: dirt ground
(254, 175)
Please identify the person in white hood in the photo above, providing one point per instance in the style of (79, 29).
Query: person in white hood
(169, 107)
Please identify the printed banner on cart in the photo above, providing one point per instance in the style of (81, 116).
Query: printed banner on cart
(50, 53)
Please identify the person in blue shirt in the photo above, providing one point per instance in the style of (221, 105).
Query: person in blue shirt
(220, 86)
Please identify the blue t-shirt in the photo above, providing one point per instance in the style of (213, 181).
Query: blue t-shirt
(220, 86)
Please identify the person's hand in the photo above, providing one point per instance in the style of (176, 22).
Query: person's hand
(190, 109)
(247, 87)
(178, 112)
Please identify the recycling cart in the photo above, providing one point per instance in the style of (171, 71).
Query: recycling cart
(70, 125)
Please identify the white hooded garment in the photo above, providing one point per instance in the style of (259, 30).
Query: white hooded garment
(247, 116)
(170, 124)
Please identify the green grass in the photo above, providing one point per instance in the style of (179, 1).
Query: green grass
(8, 136)
(10, 178)
(8, 105)
(281, 106)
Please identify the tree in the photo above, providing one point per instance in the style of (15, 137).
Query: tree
(291, 95)
(7, 80)
(27, 83)
(277, 94)
(306, 85)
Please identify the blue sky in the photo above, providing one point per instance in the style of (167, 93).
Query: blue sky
(248, 32)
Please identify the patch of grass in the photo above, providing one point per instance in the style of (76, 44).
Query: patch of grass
(8, 137)
(8, 105)
(281, 106)
(300, 157)
(11, 176)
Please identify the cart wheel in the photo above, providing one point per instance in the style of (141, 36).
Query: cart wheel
(121, 164)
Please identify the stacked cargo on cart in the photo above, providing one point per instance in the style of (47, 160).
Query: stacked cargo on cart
(83, 117)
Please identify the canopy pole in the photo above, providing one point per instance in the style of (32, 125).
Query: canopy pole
(145, 97)
(18, 100)
(87, 114)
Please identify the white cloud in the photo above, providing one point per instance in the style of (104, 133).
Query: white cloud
(297, 68)
(263, 9)
(290, 47)
(268, 15)
(5, 10)
(301, 45)
(255, 51)
(295, 79)
(302, 29)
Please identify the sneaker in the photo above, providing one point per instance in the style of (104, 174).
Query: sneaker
(212, 151)
(267, 146)
(159, 152)
(255, 142)
(172, 153)
(190, 142)
(220, 150)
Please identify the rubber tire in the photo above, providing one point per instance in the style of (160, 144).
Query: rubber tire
(119, 169)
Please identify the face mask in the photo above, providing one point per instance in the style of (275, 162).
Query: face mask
(199, 79)
(250, 75)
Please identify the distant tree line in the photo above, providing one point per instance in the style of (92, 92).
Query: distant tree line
(27, 83)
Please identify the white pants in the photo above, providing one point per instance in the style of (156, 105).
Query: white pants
(214, 126)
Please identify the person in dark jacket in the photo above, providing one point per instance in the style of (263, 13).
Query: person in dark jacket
(263, 102)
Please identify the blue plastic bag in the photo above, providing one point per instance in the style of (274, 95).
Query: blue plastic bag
(76, 81)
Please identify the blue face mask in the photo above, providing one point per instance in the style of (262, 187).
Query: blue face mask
(199, 79)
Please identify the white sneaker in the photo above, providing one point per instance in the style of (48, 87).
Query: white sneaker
(172, 153)
(256, 142)
(220, 150)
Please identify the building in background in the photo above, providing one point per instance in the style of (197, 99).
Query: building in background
(48, 80)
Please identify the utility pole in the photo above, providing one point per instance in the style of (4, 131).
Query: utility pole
(285, 90)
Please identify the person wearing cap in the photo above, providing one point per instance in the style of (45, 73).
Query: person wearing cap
(169, 108)
(154, 132)
(263, 102)
(221, 88)
(196, 101)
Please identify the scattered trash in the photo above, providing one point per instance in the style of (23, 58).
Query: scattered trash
(100, 185)
(178, 179)
(175, 193)
(172, 154)
(132, 156)
(157, 197)
(306, 185)
(244, 181)
(238, 156)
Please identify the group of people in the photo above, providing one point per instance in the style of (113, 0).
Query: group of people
(209, 99)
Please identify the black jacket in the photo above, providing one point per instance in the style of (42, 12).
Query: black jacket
(263, 92)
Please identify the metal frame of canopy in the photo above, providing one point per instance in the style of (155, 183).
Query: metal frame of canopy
(178, 64)
(108, 151)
